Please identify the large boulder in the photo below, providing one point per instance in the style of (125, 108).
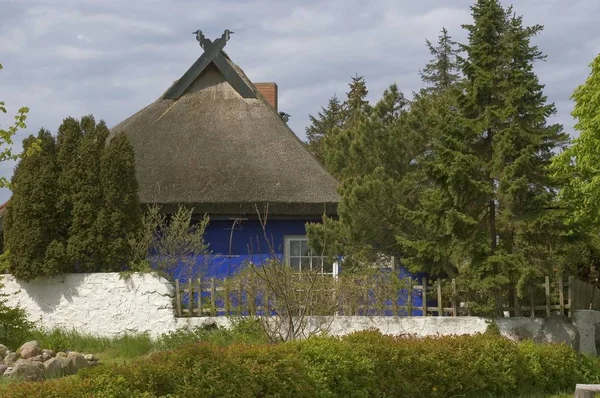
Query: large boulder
(53, 368)
(3, 350)
(11, 358)
(30, 349)
(78, 360)
(28, 370)
(67, 366)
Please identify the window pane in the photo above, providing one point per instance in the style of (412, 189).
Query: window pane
(294, 248)
(294, 262)
(327, 266)
(316, 263)
(305, 263)
(305, 248)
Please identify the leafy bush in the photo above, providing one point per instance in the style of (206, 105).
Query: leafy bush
(363, 364)
(244, 331)
(15, 328)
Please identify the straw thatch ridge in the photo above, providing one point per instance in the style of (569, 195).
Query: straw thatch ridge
(223, 154)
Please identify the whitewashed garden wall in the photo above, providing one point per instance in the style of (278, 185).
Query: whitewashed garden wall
(110, 304)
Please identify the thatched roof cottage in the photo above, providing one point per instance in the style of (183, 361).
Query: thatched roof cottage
(215, 141)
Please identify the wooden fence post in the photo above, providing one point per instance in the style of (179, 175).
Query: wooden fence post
(547, 287)
(532, 303)
(227, 303)
(517, 308)
(570, 296)
(200, 297)
(190, 298)
(240, 310)
(213, 299)
(561, 295)
(409, 303)
(439, 297)
(266, 309)
(177, 298)
(454, 298)
(424, 295)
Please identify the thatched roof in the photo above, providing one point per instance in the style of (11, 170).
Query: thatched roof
(224, 154)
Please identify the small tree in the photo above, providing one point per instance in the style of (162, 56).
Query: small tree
(120, 216)
(6, 137)
(295, 303)
(84, 243)
(168, 242)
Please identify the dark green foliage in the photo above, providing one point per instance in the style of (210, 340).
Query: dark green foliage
(442, 71)
(68, 138)
(337, 144)
(74, 205)
(84, 243)
(31, 220)
(328, 119)
(364, 364)
(120, 217)
(496, 158)
(458, 184)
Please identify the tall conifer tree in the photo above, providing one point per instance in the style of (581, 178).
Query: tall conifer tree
(31, 218)
(120, 217)
(321, 126)
(491, 163)
(83, 249)
(442, 71)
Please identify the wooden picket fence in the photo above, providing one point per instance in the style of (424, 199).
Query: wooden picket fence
(216, 297)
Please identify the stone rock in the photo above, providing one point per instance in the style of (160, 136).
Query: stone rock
(3, 350)
(50, 353)
(556, 329)
(61, 354)
(28, 370)
(3, 368)
(78, 360)
(90, 357)
(53, 368)
(11, 358)
(30, 349)
(93, 363)
(45, 356)
(597, 337)
(8, 371)
(67, 366)
(38, 358)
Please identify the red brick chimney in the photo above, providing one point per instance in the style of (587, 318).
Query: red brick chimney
(269, 91)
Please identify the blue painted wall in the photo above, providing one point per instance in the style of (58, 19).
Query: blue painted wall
(231, 248)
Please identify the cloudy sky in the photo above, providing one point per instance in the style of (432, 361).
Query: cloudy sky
(112, 57)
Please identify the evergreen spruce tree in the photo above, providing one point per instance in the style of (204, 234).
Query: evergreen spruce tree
(31, 217)
(84, 244)
(321, 126)
(337, 144)
(491, 162)
(120, 217)
(442, 71)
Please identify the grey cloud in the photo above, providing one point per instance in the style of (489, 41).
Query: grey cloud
(111, 58)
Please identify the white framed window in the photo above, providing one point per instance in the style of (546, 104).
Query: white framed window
(301, 257)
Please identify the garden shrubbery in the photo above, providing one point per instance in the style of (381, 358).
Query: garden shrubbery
(363, 364)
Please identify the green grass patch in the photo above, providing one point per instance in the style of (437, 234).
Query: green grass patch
(130, 346)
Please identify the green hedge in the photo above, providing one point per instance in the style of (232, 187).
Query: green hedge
(364, 364)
